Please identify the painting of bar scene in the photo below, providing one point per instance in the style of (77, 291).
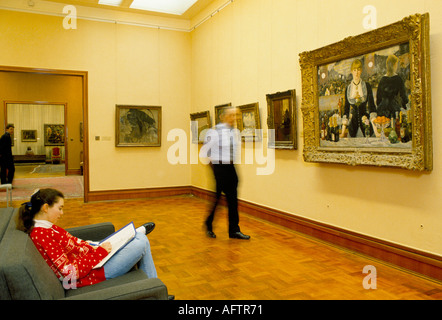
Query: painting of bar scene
(364, 101)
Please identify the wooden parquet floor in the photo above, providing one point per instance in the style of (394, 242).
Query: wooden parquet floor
(275, 264)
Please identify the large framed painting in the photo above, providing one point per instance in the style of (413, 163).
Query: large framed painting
(54, 134)
(366, 100)
(200, 123)
(138, 126)
(249, 122)
(281, 118)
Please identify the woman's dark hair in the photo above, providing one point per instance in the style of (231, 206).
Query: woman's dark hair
(28, 210)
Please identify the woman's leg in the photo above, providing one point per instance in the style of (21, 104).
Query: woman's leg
(136, 250)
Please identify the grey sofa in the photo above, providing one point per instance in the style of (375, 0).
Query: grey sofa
(24, 275)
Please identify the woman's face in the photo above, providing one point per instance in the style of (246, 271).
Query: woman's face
(55, 212)
(356, 74)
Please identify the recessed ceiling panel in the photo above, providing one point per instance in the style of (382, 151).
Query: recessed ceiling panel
(177, 7)
(111, 2)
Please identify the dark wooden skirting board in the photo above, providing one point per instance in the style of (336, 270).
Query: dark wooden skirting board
(137, 193)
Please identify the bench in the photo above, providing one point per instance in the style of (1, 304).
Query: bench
(30, 158)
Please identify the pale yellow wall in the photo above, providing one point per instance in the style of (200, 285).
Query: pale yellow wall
(251, 48)
(126, 65)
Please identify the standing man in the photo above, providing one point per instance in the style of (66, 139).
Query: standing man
(221, 144)
(6, 158)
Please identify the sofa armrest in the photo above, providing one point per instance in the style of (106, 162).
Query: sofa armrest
(94, 232)
(142, 289)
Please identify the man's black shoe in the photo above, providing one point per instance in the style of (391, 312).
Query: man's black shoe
(149, 227)
(211, 234)
(239, 235)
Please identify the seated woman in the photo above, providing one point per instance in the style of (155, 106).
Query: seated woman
(72, 258)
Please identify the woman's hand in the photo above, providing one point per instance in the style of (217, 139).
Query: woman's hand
(107, 246)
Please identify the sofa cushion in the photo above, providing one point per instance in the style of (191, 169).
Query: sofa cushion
(23, 272)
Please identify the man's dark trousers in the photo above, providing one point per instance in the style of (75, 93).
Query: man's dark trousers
(7, 171)
(226, 181)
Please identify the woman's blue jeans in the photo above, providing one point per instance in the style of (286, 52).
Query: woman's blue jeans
(137, 250)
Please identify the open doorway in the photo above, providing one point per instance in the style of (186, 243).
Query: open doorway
(41, 87)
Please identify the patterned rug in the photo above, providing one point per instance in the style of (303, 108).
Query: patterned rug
(71, 186)
(45, 168)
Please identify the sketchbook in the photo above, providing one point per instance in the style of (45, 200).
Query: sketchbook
(118, 240)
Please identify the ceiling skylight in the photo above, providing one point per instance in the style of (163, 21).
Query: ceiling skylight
(110, 2)
(177, 7)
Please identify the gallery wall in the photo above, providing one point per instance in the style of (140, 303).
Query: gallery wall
(250, 49)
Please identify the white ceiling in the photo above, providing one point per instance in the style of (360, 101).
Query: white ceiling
(190, 13)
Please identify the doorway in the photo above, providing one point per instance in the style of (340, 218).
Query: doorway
(42, 87)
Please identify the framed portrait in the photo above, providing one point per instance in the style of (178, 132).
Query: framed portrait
(219, 110)
(366, 100)
(200, 123)
(54, 134)
(249, 121)
(29, 135)
(281, 117)
(137, 126)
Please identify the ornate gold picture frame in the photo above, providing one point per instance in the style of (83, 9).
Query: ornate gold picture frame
(249, 122)
(137, 126)
(281, 117)
(200, 123)
(366, 100)
(219, 109)
(29, 135)
(54, 134)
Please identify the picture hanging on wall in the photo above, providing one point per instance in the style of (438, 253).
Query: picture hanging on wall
(366, 100)
(200, 123)
(29, 135)
(281, 117)
(219, 109)
(249, 121)
(54, 134)
(138, 126)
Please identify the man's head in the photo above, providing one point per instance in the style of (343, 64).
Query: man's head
(10, 128)
(229, 116)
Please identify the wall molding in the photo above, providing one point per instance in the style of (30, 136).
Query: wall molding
(417, 261)
(126, 194)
